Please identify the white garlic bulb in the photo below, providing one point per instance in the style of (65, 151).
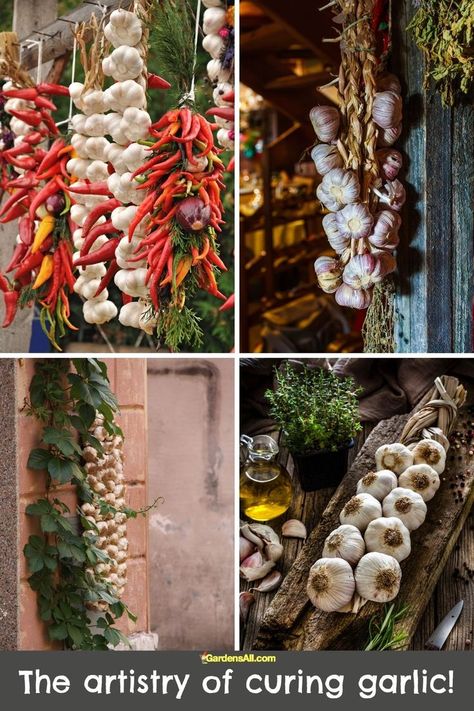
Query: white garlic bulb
(330, 584)
(345, 542)
(387, 109)
(325, 120)
(326, 157)
(354, 298)
(429, 451)
(329, 273)
(354, 221)
(395, 457)
(360, 511)
(360, 270)
(378, 484)
(378, 577)
(407, 505)
(388, 535)
(339, 187)
(421, 478)
(335, 239)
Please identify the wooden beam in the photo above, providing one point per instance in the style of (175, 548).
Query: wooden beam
(31, 15)
(59, 39)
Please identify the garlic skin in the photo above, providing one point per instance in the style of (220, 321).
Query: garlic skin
(358, 272)
(345, 542)
(353, 298)
(429, 451)
(421, 478)
(406, 505)
(389, 82)
(387, 109)
(378, 577)
(395, 457)
(335, 239)
(394, 194)
(388, 136)
(386, 264)
(360, 511)
(354, 221)
(325, 121)
(377, 484)
(390, 162)
(329, 274)
(388, 535)
(331, 584)
(326, 157)
(387, 224)
(338, 188)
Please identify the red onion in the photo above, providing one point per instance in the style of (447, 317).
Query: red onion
(55, 204)
(193, 215)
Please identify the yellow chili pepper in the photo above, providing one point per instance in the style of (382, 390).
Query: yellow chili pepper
(45, 271)
(183, 268)
(46, 226)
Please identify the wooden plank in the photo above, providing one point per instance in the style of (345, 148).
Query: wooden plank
(60, 39)
(31, 15)
(292, 623)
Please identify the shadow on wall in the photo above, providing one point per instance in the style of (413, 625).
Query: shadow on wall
(190, 420)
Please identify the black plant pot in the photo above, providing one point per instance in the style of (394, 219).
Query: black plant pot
(322, 469)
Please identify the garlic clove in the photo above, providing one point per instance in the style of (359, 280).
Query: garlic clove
(407, 505)
(293, 529)
(345, 542)
(254, 572)
(429, 451)
(246, 548)
(421, 478)
(246, 600)
(388, 535)
(271, 582)
(330, 584)
(378, 577)
(273, 551)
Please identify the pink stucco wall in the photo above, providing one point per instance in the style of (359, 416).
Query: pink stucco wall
(128, 381)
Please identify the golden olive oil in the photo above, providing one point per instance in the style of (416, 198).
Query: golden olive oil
(265, 490)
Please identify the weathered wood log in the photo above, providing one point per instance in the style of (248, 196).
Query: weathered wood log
(292, 623)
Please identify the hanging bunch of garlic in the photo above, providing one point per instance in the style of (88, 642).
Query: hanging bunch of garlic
(106, 480)
(218, 28)
(359, 168)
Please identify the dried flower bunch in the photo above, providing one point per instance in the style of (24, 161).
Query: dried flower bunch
(358, 165)
(376, 523)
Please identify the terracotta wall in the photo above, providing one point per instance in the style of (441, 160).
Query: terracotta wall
(191, 532)
(128, 381)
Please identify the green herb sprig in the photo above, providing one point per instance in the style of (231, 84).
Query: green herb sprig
(382, 633)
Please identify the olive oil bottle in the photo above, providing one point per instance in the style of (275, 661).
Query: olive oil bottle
(265, 485)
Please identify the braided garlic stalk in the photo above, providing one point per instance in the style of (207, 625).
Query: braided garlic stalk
(105, 477)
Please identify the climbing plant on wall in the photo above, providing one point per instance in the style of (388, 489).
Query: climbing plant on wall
(76, 570)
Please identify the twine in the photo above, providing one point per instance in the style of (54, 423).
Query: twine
(190, 96)
(436, 419)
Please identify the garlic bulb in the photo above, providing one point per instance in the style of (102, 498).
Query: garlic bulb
(325, 120)
(395, 457)
(124, 63)
(345, 542)
(394, 194)
(354, 221)
(388, 535)
(335, 239)
(123, 28)
(338, 188)
(378, 577)
(389, 82)
(123, 94)
(358, 272)
(421, 478)
(378, 484)
(329, 274)
(385, 228)
(390, 162)
(330, 584)
(406, 505)
(214, 19)
(429, 451)
(386, 264)
(326, 157)
(387, 109)
(388, 136)
(360, 511)
(354, 298)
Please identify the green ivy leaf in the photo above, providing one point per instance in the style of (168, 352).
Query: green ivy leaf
(112, 636)
(38, 459)
(58, 631)
(62, 439)
(76, 634)
(42, 506)
(87, 414)
(49, 523)
(64, 470)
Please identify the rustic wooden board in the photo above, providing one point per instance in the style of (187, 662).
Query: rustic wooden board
(292, 623)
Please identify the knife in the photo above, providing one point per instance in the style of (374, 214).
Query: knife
(443, 630)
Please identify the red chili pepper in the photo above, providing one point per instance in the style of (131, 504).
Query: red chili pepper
(212, 257)
(101, 209)
(30, 263)
(100, 255)
(43, 103)
(25, 162)
(26, 229)
(28, 94)
(186, 118)
(126, 299)
(49, 121)
(229, 304)
(26, 181)
(156, 82)
(108, 276)
(188, 147)
(224, 112)
(56, 280)
(67, 264)
(51, 156)
(18, 254)
(52, 89)
(11, 305)
(19, 150)
(106, 228)
(18, 209)
(34, 137)
(89, 189)
(158, 270)
(195, 128)
(50, 189)
(13, 199)
(144, 208)
(4, 285)
(32, 118)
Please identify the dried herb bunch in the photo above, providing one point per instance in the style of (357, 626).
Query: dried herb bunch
(444, 31)
(315, 408)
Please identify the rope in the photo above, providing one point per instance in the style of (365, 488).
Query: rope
(191, 95)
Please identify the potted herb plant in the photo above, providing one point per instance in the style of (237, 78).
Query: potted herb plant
(318, 414)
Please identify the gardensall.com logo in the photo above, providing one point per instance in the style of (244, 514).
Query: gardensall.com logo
(249, 658)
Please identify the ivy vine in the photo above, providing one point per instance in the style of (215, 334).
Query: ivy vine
(65, 401)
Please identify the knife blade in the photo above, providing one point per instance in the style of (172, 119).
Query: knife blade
(444, 629)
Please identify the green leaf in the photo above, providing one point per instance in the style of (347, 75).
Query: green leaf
(112, 636)
(78, 424)
(62, 439)
(35, 561)
(87, 414)
(76, 634)
(58, 631)
(49, 523)
(37, 391)
(38, 459)
(64, 470)
(42, 506)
